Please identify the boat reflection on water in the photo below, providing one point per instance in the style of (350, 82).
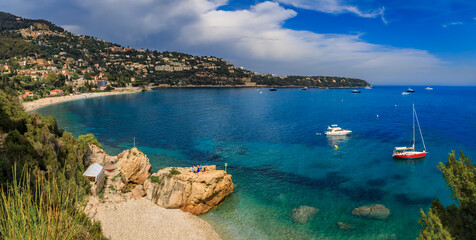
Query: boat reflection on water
(337, 139)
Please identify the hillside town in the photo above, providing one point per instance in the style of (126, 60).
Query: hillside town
(48, 61)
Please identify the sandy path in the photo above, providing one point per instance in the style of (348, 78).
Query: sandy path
(141, 219)
(30, 106)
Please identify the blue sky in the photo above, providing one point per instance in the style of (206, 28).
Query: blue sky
(385, 42)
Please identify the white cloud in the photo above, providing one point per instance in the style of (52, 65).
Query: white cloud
(253, 38)
(451, 24)
(335, 7)
(72, 28)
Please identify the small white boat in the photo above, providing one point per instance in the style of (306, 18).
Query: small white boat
(405, 93)
(428, 88)
(334, 130)
(410, 90)
(368, 87)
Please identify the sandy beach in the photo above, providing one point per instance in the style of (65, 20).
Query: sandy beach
(141, 219)
(30, 106)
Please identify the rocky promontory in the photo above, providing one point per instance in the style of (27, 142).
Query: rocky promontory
(196, 193)
(133, 197)
(129, 174)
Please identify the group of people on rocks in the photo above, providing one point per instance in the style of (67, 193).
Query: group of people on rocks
(198, 168)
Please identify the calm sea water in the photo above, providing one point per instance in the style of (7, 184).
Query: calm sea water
(279, 163)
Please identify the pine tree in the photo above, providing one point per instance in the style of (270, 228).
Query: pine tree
(457, 221)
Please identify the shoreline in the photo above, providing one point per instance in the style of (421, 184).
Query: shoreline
(248, 86)
(141, 219)
(43, 102)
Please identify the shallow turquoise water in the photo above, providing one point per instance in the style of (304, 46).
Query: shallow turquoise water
(279, 163)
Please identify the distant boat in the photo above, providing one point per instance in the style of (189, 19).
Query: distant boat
(273, 89)
(410, 90)
(405, 93)
(409, 152)
(368, 87)
(355, 91)
(428, 88)
(334, 130)
(304, 88)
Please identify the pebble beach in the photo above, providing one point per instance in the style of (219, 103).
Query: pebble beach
(43, 102)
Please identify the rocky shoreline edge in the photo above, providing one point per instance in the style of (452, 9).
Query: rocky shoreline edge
(135, 204)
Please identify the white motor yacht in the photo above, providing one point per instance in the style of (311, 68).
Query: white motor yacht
(334, 130)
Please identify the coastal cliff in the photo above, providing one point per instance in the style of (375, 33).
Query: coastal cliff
(196, 193)
(135, 203)
(129, 177)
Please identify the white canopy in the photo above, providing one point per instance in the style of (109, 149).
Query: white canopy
(93, 171)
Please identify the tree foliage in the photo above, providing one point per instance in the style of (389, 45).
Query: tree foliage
(35, 144)
(12, 45)
(457, 221)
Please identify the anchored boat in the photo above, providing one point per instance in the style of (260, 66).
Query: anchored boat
(334, 130)
(409, 152)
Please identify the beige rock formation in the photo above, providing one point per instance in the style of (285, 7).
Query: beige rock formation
(196, 193)
(303, 213)
(95, 154)
(134, 166)
(377, 211)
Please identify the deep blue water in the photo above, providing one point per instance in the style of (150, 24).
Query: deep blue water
(279, 163)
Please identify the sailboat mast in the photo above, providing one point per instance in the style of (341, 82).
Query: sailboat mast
(418, 122)
(413, 120)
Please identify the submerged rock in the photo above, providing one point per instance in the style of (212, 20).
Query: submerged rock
(303, 213)
(377, 211)
(344, 226)
(134, 166)
(196, 193)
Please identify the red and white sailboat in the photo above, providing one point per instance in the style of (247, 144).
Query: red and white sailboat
(409, 152)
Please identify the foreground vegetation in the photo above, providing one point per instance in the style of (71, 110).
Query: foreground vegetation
(457, 221)
(41, 182)
(47, 209)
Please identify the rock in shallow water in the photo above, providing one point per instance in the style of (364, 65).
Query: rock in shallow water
(344, 226)
(377, 211)
(303, 213)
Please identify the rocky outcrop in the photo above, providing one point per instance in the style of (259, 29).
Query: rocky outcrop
(129, 177)
(377, 211)
(94, 154)
(344, 226)
(196, 193)
(134, 166)
(303, 213)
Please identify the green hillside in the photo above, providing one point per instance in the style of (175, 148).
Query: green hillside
(31, 49)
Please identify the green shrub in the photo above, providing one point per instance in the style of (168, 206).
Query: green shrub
(112, 188)
(174, 171)
(117, 176)
(89, 138)
(155, 179)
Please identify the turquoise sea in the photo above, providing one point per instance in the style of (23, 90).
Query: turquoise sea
(279, 163)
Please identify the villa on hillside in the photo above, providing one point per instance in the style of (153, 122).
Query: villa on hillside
(26, 94)
(56, 92)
